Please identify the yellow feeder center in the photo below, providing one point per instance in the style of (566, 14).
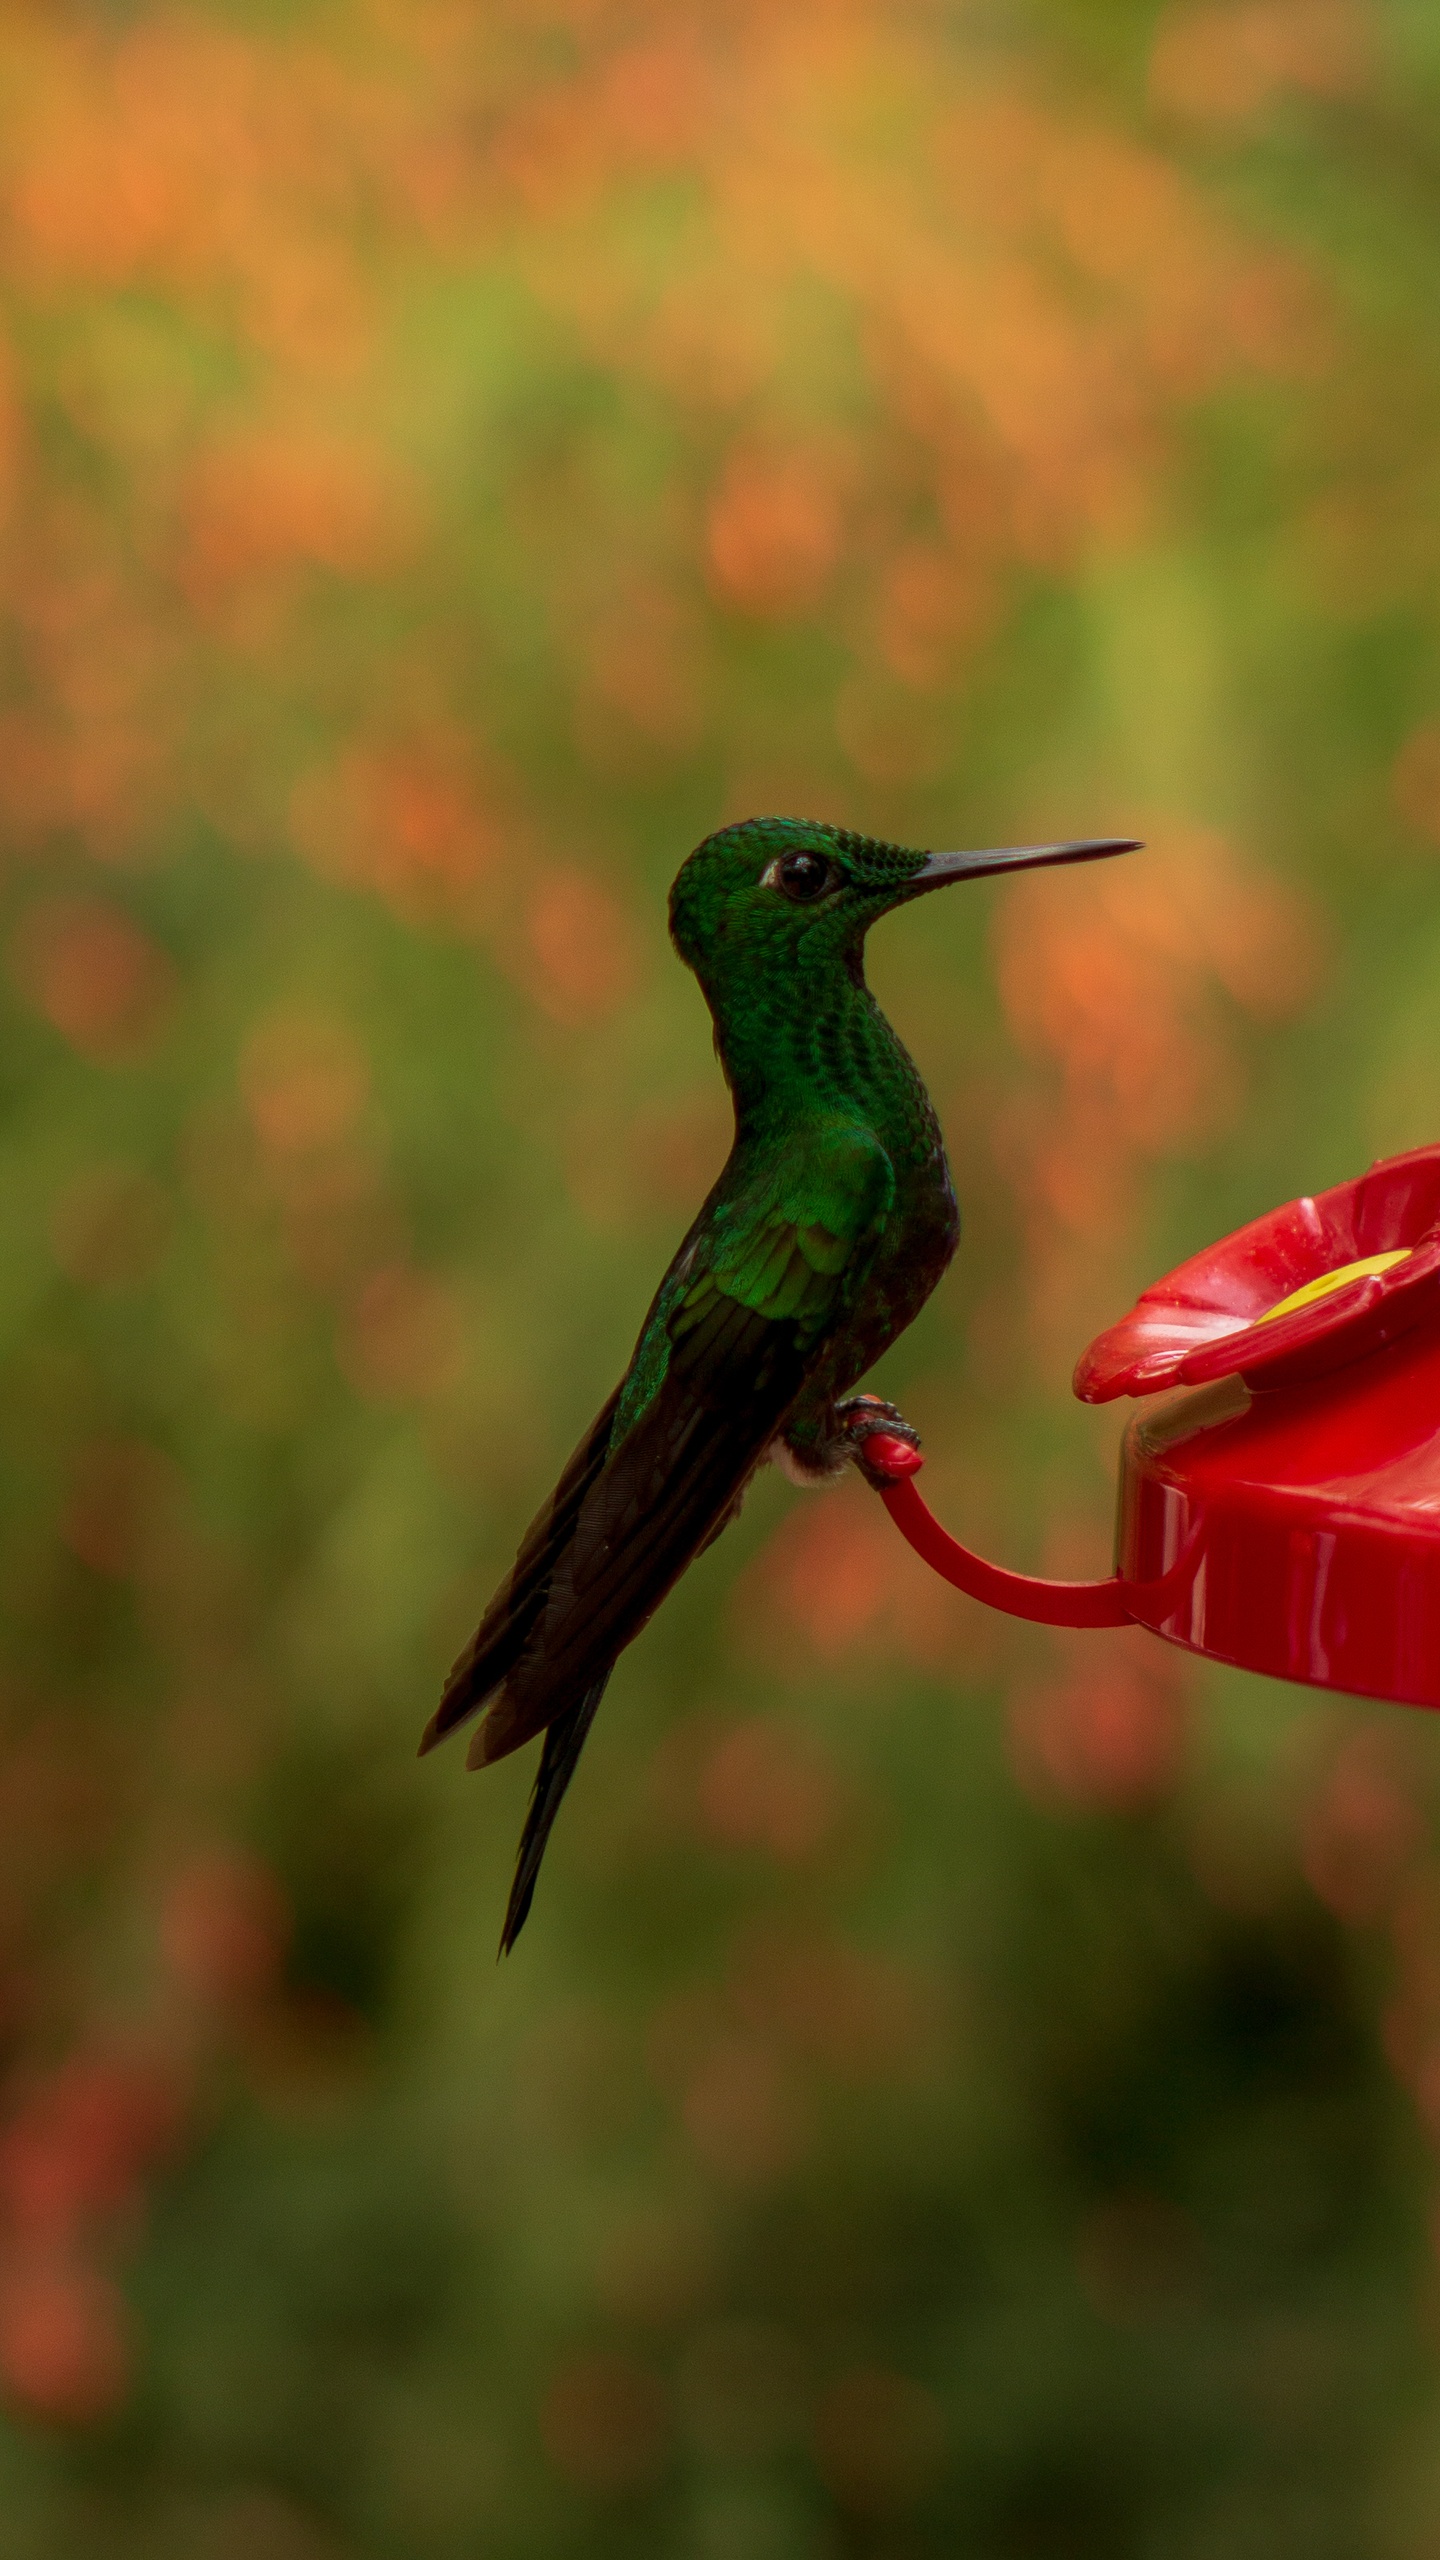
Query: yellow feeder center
(1332, 1280)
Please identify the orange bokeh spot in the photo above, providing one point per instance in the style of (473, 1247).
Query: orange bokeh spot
(340, 1219)
(93, 973)
(581, 961)
(743, 2111)
(1362, 1830)
(1115, 975)
(641, 692)
(892, 733)
(859, 2015)
(1228, 64)
(773, 531)
(406, 821)
(404, 1338)
(931, 604)
(123, 1500)
(77, 2148)
(1111, 1734)
(1125, 979)
(837, 1576)
(64, 2353)
(276, 500)
(833, 1570)
(604, 2423)
(304, 1079)
(767, 1787)
(224, 1928)
(1415, 781)
(879, 2440)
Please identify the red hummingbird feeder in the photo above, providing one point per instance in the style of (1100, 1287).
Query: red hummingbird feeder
(1282, 1510)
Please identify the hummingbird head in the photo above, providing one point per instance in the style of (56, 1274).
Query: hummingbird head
(789, 897)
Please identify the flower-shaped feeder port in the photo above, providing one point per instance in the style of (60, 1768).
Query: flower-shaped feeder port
(1282, 1511)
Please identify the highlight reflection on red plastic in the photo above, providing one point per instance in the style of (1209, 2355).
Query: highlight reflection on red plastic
(1314, 1517)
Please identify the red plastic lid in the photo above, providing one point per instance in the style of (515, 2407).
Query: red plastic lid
(1229, 1308)
(1289, 1512)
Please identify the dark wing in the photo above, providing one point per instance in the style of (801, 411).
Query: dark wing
(519, 1604)
(741, 1334)
(731, 1378)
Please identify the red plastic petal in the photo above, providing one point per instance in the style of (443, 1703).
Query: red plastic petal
(1201, 1322)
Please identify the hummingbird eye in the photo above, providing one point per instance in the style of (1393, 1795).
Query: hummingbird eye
(804, 877)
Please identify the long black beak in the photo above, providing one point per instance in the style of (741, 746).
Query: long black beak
(940, 867)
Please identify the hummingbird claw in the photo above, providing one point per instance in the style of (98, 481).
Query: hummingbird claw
(877, 1439)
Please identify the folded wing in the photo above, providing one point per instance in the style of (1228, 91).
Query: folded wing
(738, 1324)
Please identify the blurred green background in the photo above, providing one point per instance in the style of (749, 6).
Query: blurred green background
(962, 2091)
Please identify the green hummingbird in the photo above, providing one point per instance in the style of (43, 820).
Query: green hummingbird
(832, 1221)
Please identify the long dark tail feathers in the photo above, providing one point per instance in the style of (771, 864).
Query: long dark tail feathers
(564, 1742)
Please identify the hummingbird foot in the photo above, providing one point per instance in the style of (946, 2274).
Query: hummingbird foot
(860, 1419)
(854, 1421)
